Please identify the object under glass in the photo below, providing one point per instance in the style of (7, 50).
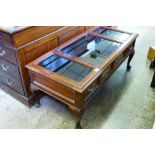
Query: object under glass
(92, 49)
(63, 66)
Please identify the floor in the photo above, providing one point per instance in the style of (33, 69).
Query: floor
(125, 102)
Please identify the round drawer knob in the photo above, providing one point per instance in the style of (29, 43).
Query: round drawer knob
(92, 88)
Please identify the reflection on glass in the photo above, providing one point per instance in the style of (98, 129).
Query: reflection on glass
(72, 70)
(93, 49)
(113, 34)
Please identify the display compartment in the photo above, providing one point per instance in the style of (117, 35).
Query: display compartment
(63, 77)
(66, 67)
(91, 48)
(113, 33)
(81, 65)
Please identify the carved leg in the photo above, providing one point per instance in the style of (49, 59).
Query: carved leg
(130, 58)
(78, 115)
(78, 125)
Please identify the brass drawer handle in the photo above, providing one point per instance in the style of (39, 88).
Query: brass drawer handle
(5, 67)
(2, 52)
(10, 83)
(92, 88)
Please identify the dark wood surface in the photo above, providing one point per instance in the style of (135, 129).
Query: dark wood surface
(21, 45)
(77, 94)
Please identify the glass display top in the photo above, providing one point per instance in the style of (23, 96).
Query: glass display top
(92, 49)
(113, 34)
(63, 66)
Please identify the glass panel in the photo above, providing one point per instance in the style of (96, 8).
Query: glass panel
(72, 70)
(113, 34)
(92, 48)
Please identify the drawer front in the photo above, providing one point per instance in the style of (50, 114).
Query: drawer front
(5, 37)
(120, 60)
(7, 54)
(106, 73)
(89, 91)
(11, 82)
(9, 68)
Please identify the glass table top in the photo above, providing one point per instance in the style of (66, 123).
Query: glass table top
(63, 66)
(93, 49)
(113, 34)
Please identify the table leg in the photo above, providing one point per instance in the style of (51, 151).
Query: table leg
(129, 60)
(78, 125)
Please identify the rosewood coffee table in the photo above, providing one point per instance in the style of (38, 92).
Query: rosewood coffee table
(75, 71)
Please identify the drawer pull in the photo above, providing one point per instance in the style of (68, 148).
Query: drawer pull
(92, 88)
(10, 83)
(5, 67)
(2, 52)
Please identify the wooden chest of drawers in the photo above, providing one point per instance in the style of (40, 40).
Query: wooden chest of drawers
(21, 45)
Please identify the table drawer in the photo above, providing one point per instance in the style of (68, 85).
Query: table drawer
(119, 60)
(7, 54)
(89, 91)
(9, 68)
(6, 38)
(11, 82)
(106, 73)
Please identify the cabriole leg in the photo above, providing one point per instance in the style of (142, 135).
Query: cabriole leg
(130, 58)
(78, 115)
(78, 125)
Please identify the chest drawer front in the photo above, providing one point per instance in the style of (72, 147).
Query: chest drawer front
(11, 82)
(69, 35)
(7, 54)
(9, 68)
(6, 37)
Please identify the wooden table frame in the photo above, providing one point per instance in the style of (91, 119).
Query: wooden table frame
(71, 92)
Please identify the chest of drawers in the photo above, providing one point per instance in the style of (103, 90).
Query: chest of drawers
(20, 45)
